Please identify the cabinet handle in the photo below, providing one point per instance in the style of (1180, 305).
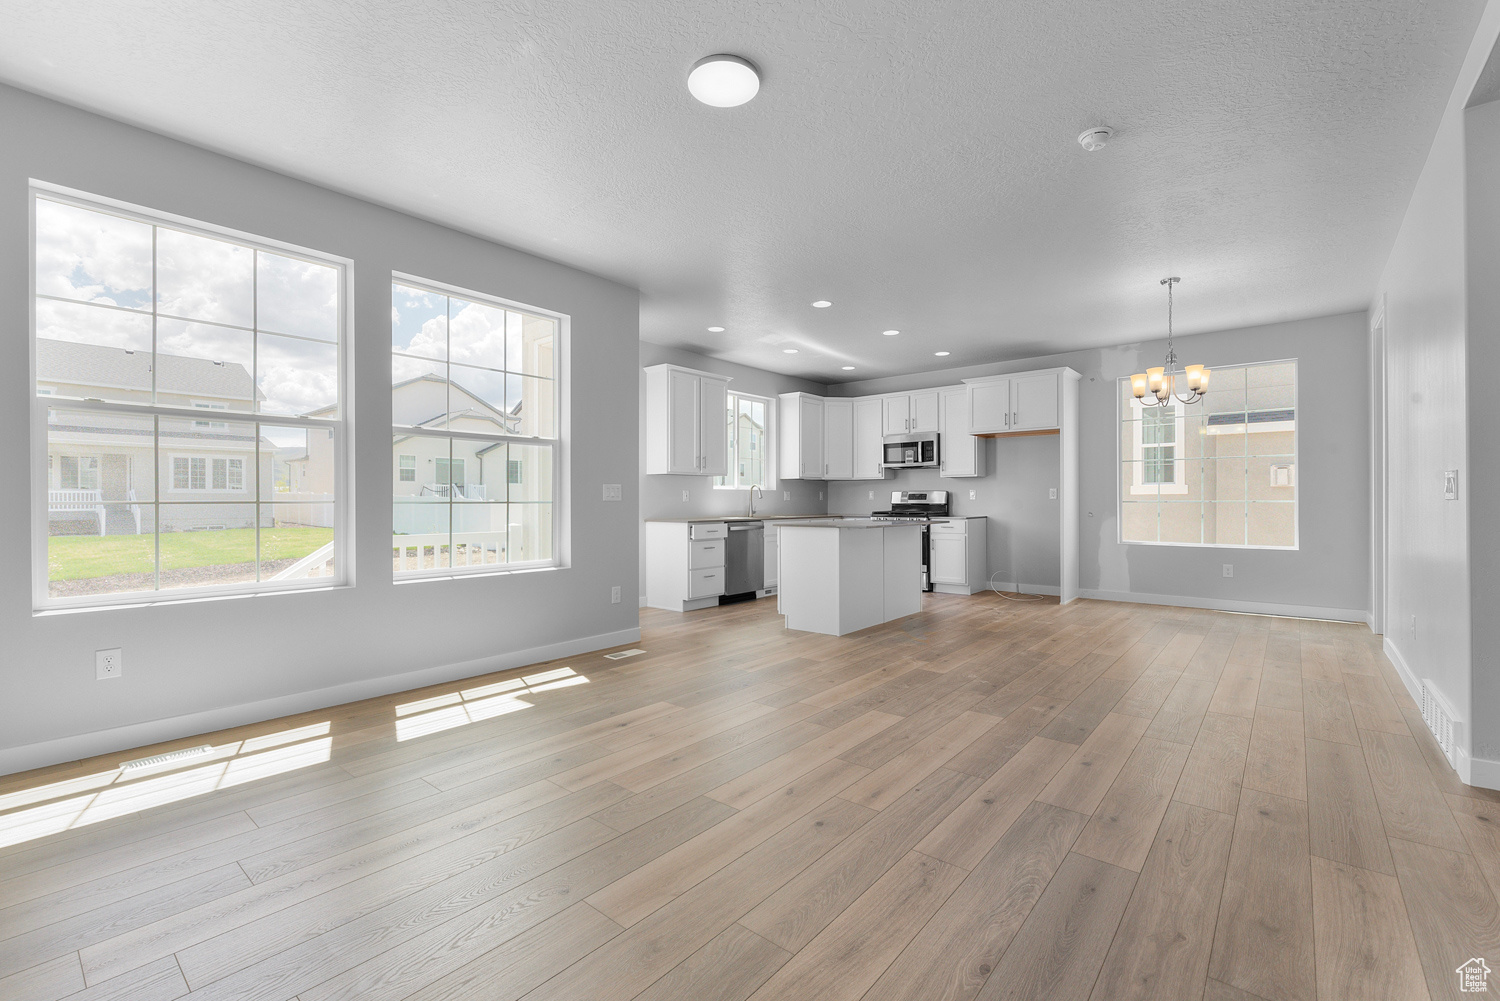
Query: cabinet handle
(1015, 417)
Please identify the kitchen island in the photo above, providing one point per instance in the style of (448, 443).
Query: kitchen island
(839, 575)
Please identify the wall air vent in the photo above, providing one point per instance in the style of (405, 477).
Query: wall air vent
(1442, 721)
(161, 759)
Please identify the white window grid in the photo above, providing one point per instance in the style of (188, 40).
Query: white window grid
(734, 479)
(557, 443)
(46, 399)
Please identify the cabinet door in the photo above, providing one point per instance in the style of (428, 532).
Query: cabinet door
(869, 450)
(959, 448)
(773, 562)
(897, 414)
(924, 412)
(682, 423)
(811, 410)
(838, 439)
(950, 559)
(1033, 403)
(989, 407)
(713, 429)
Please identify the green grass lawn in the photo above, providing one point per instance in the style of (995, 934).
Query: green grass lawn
(80, 557)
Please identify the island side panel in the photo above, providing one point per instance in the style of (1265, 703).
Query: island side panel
(809, 595)
(902, 575)
(861, 578)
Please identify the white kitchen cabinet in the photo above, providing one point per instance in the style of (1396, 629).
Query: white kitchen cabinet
(685, 421)
(1007, 404)
(869, 440)
(772, 561)
(911, 413)
(684, 564)
(962, 453)
(838, 439)
(800, 437)
(959, 555)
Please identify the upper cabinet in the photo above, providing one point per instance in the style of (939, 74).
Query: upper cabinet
(869, 439)
(1007, 404)
(838, 439)
(911, 413)
(800, 437)
(962, 453)
(685, 413)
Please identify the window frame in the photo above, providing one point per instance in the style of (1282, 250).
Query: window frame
(340, 426)
(767, 459)
(1138, 454)
(1122, 384)
(208, 487)
(561, 500)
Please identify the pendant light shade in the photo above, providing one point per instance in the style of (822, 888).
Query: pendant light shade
(1162, 382)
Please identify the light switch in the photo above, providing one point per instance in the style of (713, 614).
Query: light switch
(1052, 493)
(973, 495)
(612, 492)
(1450, 484)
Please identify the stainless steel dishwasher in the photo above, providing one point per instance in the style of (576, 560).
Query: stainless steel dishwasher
(744, 559)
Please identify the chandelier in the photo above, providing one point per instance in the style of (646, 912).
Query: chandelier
(1162, 383)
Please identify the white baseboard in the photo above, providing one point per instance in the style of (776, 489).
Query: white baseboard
(121, 738)
(1225, 605)
(1471, 771)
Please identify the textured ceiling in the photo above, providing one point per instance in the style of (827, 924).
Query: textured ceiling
(913, 162)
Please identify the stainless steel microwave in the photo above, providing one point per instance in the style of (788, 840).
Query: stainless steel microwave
(913, 453)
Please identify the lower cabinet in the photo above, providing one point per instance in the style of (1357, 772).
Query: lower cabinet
(773, 564)
(959, 560)
(684, 564)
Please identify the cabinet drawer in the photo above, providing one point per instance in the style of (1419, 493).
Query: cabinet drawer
(955, 527)
(706, 554)
(715, 530)
(705, 582)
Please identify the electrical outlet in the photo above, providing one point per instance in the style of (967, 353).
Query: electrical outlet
(612, 492)
(973, 494)
(684, 496)
(786, 495)
(872, 495)
(614, 595)
(1413, 623)
(820, 495)
(1052, 493)
(1229, 570)
(108, 664)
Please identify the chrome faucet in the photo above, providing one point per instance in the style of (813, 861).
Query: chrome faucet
(754, 491)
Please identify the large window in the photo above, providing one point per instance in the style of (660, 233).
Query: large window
(141, 323)
(475, 405)
(748, 433)
(1221, 472)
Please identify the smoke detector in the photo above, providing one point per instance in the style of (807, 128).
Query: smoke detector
(1095, 138)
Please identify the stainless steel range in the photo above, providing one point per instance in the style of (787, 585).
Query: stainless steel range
(918, 505)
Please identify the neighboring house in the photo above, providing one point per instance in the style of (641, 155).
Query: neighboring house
(100, 466)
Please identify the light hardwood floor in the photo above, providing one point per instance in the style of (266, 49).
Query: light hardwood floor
(989, 800)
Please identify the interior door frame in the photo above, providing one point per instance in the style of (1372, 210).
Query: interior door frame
(1379, 497)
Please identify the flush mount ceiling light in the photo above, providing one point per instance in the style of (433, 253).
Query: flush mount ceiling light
(890, 333)
(723, 80)
(822, 304)
(942, 354)
(715, 330)
(848, 368)
(1162, 383)
(788, 351)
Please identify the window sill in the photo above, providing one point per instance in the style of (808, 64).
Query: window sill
(137, 601)
(422, 577)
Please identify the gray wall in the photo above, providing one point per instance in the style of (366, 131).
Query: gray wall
(1328, 575)
(1023, 531)
(191, 667)
(661, 495)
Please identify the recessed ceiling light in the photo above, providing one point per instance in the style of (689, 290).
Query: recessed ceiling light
(715, 330)
(942, 354)
(789, 351)
(723, 80)
(848, 368)
(890, 333)
(822, 304)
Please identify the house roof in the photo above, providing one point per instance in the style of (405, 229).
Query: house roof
(482, 410)
(97, 365)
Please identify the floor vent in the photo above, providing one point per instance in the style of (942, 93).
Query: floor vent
(166, 759)
(622, 654)
(1442, 721)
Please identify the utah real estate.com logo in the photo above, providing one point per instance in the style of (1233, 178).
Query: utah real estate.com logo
(1474, 976)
